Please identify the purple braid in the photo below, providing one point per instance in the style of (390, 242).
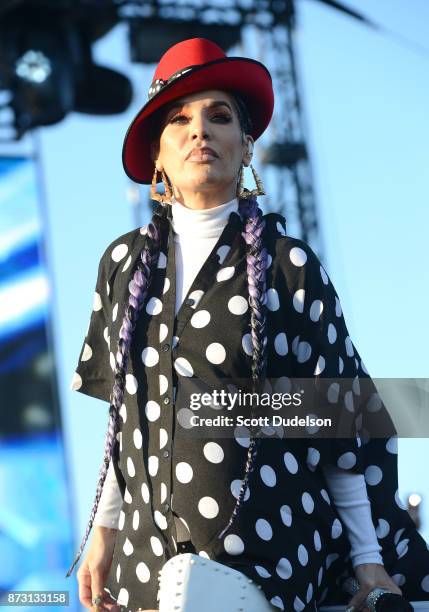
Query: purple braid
(256, 278)
(138, 286)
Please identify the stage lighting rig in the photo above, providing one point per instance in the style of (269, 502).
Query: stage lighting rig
(150, 37)
(46, 63)
(284, 154)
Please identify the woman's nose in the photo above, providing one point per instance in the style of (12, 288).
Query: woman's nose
(200, 127)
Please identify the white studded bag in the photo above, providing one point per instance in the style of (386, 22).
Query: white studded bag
(191, 583)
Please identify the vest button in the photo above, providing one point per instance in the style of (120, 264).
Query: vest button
(165, 347)
(190, 301)
(166, 453)
(166, 400)
(166, 507)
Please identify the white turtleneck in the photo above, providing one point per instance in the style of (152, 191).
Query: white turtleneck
(195, 234)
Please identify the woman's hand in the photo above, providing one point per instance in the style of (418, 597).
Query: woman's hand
(93, 571)
(370, 575)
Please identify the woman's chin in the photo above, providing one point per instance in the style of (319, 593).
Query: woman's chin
(206, 180)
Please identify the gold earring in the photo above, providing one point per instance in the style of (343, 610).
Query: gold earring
(164, 198)
(243, 192)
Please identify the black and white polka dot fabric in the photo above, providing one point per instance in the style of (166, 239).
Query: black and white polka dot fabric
(288, 537)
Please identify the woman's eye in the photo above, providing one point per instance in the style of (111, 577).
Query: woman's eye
(174, 119)
(222, 116)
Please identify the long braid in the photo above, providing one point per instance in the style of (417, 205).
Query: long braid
(256, 259)
(138, 286)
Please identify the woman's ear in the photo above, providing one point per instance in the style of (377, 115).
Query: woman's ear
(249, 149)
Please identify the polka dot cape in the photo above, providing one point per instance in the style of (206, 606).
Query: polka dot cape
(288, 536)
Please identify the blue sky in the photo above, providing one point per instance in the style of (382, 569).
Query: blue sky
(366, 98)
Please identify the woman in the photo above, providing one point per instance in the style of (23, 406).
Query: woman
(211, 290)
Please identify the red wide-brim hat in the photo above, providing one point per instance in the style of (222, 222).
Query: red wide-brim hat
(189, 66)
